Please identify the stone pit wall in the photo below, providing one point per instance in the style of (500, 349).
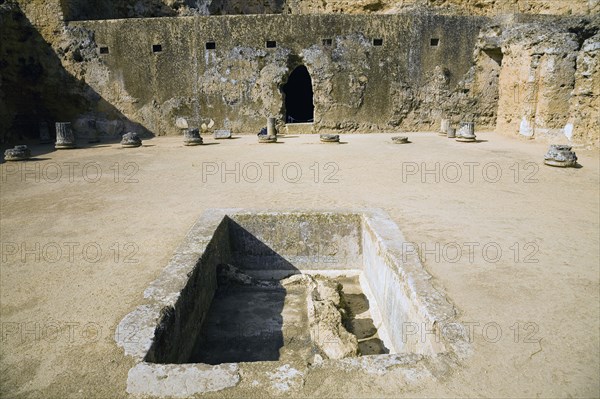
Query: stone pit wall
(403, 84)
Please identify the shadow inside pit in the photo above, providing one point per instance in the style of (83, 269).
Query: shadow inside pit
(245, 321)
(254, 254)
(244, 324)
(363, 328)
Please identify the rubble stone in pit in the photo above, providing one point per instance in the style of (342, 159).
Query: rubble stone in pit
(325, 314)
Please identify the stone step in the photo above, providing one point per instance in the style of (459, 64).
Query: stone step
(299, 128)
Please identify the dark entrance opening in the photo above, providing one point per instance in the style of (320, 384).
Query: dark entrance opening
(299, 96)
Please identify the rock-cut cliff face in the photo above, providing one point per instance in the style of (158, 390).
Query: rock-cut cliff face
(104, 9)
(472, 7)
(532, 75)
(549, 82)
(45, 66)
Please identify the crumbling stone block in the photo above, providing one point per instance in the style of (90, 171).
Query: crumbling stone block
(19, 153)
(330, 138)
(400, 140)
(131, 140)
(267, 139)
(191, 137)
(222, 134)
(560, 156)
(181, 123)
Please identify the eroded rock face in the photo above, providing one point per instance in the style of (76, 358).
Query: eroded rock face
(530, 76)
(112, 9)
(47, 70)
(103, 9)
(583, 124)
(489, 7)
(549, 80)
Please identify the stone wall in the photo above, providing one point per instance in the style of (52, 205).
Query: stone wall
(465, 7)
(106, 9)
(527, 74)
(113, 9)
(31, 74)
(47, 71)
(550, 80)
(358, 85)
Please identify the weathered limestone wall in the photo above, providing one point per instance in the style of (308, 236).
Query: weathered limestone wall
(232, 7)
(179, 324)
(112, 9)
(468, 7)
(357, 86)
(549, 81)
(584, 104)
(108, 9)
(526, 73)
(45, 70)
(292, 241)
(79, 10)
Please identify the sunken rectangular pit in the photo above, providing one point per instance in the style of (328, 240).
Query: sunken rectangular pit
(286, 290)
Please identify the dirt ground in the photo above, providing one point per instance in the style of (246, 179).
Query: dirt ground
(512, 242)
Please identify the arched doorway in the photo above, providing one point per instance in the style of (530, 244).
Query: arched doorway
(298, 92)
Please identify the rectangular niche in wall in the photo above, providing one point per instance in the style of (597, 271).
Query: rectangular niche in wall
(434, 42)
(327, 42)
(377, 42)
(156, 48)
(104, 50)
(271, 44)
(210, 45)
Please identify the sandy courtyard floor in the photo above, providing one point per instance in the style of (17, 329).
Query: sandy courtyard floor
(513, 243)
